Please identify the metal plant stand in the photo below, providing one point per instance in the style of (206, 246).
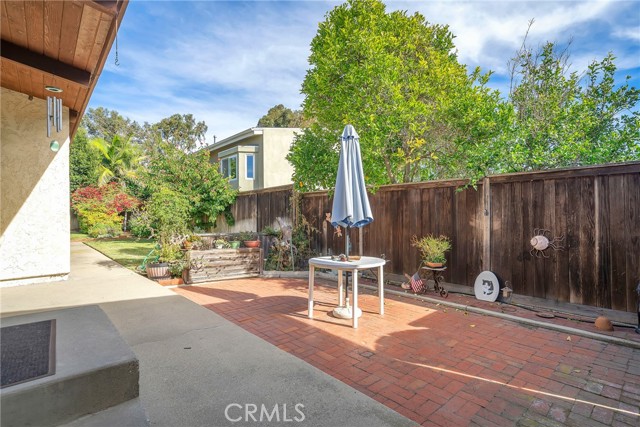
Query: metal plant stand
(437, 276)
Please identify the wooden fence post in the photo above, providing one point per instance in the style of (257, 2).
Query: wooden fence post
(486, 224)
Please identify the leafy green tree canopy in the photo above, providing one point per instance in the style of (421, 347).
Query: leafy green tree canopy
(396, 78)
(565, 118)
(84, 162)
(280, 116)
(104, 123)
(120, 159)
(181, 131)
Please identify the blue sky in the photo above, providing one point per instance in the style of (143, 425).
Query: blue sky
(228, 62)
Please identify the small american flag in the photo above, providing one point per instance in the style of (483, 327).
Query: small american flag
(417, 285)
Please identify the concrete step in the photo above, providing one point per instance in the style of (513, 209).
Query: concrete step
(95, 370)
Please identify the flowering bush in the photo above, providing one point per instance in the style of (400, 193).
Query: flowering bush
(99, 209)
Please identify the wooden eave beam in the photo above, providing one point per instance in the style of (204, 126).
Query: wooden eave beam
(45, 64)
(105, 6)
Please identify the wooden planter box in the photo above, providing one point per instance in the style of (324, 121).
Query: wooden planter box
(219, 264)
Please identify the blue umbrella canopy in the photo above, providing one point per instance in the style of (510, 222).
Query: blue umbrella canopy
(350, 201)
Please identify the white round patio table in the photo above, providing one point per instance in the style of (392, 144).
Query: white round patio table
(353, 266)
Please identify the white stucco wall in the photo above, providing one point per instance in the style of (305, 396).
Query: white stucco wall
(34, 193)
(276, 144)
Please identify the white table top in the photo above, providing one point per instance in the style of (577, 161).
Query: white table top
(363, 263)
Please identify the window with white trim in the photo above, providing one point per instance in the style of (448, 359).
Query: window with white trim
(229, 167)
(250, 166)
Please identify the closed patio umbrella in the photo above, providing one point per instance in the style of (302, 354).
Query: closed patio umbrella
(350, 201)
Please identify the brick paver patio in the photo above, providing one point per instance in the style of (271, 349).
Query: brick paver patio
(440, 366)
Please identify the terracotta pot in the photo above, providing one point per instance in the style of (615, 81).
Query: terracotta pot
(171, 282)
(252, 243)
(435, 264)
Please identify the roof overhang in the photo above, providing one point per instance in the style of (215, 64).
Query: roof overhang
(64, 44)
(234, 138)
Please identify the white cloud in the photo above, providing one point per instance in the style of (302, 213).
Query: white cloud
(630, 33)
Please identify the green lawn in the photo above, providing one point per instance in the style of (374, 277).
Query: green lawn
(126, 252)
(76, 236)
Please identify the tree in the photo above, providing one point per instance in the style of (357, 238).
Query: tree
(396, 79)
(280, 116)
(84, 162)
(566, 118)
(191, 176)
(104, 123)
(169, 212)
(181, 131)
(119, 159)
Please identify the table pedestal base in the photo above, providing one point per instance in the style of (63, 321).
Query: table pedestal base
(346, 312)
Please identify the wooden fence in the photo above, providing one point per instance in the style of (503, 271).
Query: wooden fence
(594, 210)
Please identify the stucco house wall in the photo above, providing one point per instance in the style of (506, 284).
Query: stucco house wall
(277, 169)
(269, 146)
(34, 193)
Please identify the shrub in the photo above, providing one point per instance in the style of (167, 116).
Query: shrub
(168, 215)
(101, 224)
(139, 224)
(99, 209)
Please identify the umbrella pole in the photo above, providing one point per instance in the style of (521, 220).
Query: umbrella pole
(346, 273)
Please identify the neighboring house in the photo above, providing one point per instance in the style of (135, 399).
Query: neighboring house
(255, 158)
(46, 46)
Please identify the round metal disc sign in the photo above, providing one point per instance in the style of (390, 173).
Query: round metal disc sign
(487, 287)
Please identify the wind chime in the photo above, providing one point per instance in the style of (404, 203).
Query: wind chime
(54, 119)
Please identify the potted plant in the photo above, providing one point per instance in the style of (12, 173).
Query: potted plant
(191, 241)
(250, 239)
(157, 270)
(432, 249)
(161, 269)
(220, 243)
(234, 244)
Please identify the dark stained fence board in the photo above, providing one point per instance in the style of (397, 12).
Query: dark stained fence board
(632, 233)
(473, 215)
(528, 262)
(603, 248)
(588, 240)
(617, 243)
(562, 265)
(461, 243)
(498, 217)
(549, 286)
(538, 206)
